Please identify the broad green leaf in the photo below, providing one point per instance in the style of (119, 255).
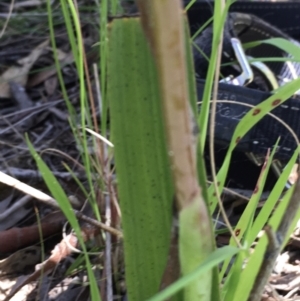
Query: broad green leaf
(162, 22)
(143, 175)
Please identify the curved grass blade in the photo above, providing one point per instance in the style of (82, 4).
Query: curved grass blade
(273, 198)
(246, 220)
(243, 228)
(62, 199)
(213, 260)
(248, 121)
(280, 43)
(248, 275)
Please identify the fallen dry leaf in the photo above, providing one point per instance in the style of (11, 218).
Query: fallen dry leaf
(64, 59)
(18, 262)
(19, 74)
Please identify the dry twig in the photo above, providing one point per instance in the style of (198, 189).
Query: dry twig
(43, 197)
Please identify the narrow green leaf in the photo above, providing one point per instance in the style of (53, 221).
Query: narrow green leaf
(65, 205)
(273, 198)
(231, 286)
(272, 59)
(280, 43)
(248, 121)
(219, 18)
(193, 101)
(190, 4)
(248, 275)
(212, 260)
(245, 222)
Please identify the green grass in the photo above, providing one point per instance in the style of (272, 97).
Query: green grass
(212, 260)
(65, 205)
(131, 101)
